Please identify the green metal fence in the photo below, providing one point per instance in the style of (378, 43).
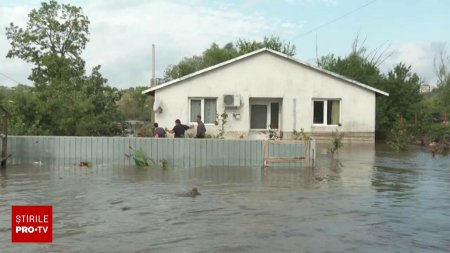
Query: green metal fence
(188, 153)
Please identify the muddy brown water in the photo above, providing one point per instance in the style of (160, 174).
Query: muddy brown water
(366, 199)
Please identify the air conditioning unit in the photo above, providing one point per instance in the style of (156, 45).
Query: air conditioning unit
(231, 100)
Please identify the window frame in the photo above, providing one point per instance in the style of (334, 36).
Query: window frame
(202, 108)
(325, 111)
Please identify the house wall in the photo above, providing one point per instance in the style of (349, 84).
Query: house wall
(268, 76)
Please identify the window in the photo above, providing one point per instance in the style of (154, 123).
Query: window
(326, 112)
(205, 107)
(264, 116)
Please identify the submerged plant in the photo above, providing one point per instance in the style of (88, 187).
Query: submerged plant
(399, 139)
(141, 160)
(163, 163)
(273, 134)
(336, 142)
(301, 135)
(222, 121)
(85, 164)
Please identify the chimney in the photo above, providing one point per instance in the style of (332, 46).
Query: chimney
(153, 80)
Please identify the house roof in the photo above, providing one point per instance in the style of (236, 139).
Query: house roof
(217, 66)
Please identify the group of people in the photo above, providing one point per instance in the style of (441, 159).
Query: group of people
(180, 129)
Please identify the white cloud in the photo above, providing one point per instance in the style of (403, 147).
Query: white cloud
(123, 31)
(122, 34)
(12, 70)
(419, 55)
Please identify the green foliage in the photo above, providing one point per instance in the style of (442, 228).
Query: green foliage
(443, 98)
(141, 160)
(63, 101)
(301, 135)
(402, 85)
(354, 66)
(336, 142)
(439, 132)
(53, 40)
(133, 105)
(272, 42)
(399, 139)
(216, 54)
(21, 103)
(404, 98)
(163, 163)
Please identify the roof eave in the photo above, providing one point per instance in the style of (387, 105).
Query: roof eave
(153, 89)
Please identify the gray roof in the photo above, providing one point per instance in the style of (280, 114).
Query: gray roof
(326, 72)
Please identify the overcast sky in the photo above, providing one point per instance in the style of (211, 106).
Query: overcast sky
(122, 31)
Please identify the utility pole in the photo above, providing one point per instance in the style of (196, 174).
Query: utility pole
(153, 81)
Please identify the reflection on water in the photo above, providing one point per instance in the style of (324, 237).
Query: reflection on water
(365, 199)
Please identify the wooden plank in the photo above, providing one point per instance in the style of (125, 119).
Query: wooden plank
(281, 159)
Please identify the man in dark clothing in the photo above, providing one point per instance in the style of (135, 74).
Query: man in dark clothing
(159, 131)
(179, 129)
(201, 130)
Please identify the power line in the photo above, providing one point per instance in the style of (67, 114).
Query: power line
(334, 20)
(10, 78)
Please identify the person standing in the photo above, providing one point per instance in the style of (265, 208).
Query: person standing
(179, 129)
(201, 130)
(159, 131)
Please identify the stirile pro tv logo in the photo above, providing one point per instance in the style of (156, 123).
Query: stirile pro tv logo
(31, 224)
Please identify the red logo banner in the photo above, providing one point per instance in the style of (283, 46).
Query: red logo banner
(31, 224)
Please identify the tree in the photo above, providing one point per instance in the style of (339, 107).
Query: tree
(402, 85)
(65, 100)
(354, 66)
(184, 67)
(271, 42)
(21, 103)
(53, 40)
(216, 54)
(441, 65)
(134, 105)
(404, 98)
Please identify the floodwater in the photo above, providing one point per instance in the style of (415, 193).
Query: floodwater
(366, 199)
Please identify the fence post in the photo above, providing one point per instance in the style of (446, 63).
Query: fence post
(4, 137)
(265, 153)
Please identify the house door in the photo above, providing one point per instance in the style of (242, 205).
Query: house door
(264, 116)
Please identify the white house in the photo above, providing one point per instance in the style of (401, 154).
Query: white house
(266, 89)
